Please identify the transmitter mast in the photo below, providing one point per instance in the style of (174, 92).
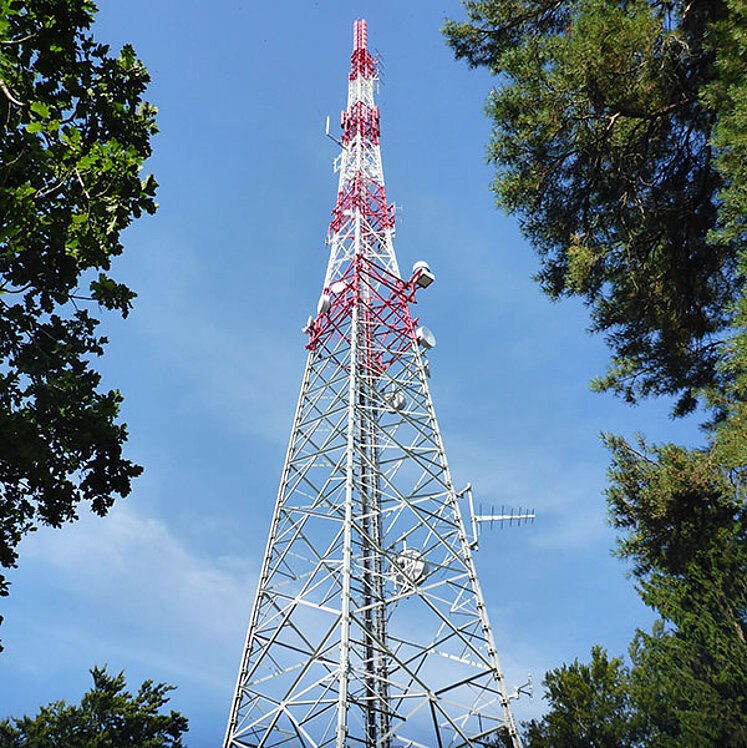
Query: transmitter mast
(369, 626)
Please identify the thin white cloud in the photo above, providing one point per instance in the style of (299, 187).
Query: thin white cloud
(567, 498)
(149, 597)
(233, 367)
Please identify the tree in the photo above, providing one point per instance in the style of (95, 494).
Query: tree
(690, 672)
(108, 716)
(590, 706)
(74, 132)
(685, 518)
(619, 140)
(671, 501)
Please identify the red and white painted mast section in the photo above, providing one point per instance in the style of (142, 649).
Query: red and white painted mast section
(362, 222)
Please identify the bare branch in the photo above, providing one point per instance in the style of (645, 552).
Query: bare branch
(4, 288)
(82, 185)
(9, 42)
(9, 95)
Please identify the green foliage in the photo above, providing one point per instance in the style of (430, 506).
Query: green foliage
(690, 672)
(501, 738)
(729, 431)
(671, 500)
(108, 717)
(590, 705)
(727, 95)
(686, 521)
(687, 687)
(684, 517)
(74, 132)
(619, 140)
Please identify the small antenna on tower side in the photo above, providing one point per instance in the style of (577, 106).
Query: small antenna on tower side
(329, 135)
(525, 689)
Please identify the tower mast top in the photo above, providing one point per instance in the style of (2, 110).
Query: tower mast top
(361, 62)
(362, 221)
(360, 34)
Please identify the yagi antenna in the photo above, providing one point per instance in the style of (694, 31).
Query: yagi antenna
(505, 517)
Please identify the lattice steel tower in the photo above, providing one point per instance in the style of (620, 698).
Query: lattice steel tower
(369, 627)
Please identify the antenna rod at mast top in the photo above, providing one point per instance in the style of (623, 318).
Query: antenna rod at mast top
(361, 62)
(360, 35)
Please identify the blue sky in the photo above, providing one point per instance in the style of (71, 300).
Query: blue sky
(211, 359)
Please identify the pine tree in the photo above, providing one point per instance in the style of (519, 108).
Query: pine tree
(620, 140)
(108, 716)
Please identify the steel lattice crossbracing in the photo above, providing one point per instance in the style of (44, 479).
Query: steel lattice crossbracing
(369, 627)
